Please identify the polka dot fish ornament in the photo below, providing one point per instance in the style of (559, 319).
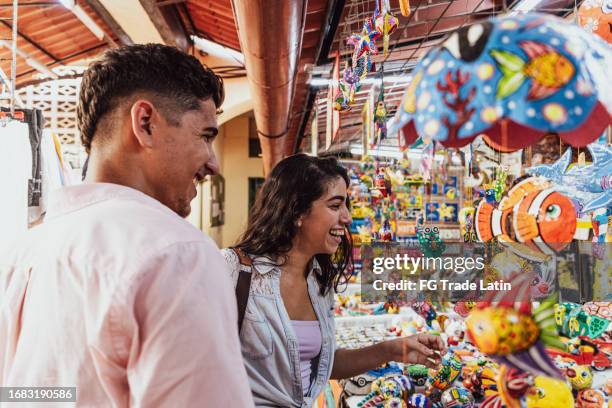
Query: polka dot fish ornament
(507, 328)
(514, 79)
(385, 22)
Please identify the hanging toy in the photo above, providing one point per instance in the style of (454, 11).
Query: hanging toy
(505, 327)
(385, 22)
(405, 7)
(427, 159)
(538, 213)
(380, 116)
(342, 100)
(590, 185)
(494, 191)
(364, 42)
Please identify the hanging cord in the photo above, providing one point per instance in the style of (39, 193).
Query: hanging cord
(14, 57)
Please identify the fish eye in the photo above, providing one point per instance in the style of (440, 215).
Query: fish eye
(541, 393)
(553, 212)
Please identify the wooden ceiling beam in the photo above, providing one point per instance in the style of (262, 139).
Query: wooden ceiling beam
(168, 23)
(110, 21)
(30, 41)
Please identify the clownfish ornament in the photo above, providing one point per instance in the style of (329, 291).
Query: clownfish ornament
(533, 220)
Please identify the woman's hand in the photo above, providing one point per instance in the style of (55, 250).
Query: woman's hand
(425, 349)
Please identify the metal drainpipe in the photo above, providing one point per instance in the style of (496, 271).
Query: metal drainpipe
(270, 33)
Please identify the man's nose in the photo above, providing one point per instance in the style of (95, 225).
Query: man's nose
(212, 165)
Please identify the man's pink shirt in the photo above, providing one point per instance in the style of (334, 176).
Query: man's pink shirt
(118, 296)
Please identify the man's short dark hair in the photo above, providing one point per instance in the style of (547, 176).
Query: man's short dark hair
(177, 80)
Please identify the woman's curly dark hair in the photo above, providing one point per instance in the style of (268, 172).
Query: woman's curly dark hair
(291, 188)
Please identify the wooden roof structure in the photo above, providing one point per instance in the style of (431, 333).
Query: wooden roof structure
(429, 23)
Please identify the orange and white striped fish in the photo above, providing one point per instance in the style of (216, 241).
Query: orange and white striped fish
(533, 220)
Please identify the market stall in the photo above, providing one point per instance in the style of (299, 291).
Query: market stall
(499, 142)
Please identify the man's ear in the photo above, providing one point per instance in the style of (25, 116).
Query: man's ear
(141, 113)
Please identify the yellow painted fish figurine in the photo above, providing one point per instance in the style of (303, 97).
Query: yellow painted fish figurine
(506, 328)
(548, 69)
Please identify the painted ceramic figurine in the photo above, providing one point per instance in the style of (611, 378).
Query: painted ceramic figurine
(549, 393)
(450, 368)
(506, 328)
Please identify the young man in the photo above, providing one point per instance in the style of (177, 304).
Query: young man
(115, 293)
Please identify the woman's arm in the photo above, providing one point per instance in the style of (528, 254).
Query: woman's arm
(423, 349)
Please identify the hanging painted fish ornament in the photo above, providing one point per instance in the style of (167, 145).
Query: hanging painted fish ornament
(506, 328)
(385, 23)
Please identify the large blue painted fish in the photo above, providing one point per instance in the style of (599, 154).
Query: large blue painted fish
(591, 185)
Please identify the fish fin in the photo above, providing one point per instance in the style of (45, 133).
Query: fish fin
(544, 316)
(511, 66)
(603, 201)
(537, 91)
(600, 153)
(507, 61)
(483, 224)
(534, 49)
(509, 84)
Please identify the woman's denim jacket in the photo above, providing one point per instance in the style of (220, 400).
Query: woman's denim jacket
(270, 347)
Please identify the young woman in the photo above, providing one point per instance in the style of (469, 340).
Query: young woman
(299, 251)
